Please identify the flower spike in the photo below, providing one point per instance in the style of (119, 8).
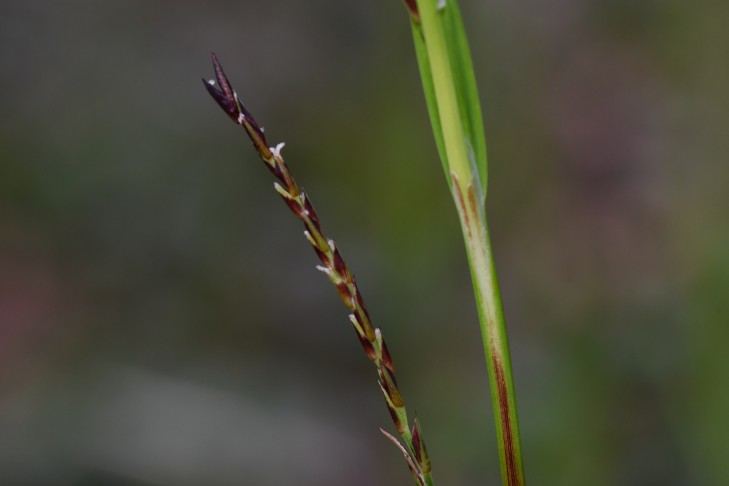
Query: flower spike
(336, 269)
(227, 99)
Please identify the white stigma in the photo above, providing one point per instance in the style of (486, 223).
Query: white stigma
(211, 82)
(279, 188)
(326, 270)
(276, 151)
(309, 238)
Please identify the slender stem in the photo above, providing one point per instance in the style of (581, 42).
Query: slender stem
(469, 189)
(493, 331)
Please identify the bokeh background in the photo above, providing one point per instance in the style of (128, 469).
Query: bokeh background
(161, 321)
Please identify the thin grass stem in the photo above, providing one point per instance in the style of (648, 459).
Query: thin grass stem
(453, 104)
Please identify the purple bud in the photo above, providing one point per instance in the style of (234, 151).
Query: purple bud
(228, 105)
(227, 99)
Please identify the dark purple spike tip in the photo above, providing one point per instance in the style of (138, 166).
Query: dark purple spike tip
(224, 95)
(228, 105)
(227, 99)
(222, 79)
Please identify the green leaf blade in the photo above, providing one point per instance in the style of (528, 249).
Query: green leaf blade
(466, 87)
(426, 77)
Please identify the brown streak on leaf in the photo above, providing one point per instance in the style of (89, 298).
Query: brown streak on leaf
(462, 206)
(512, 472)
(473, 200)
(413, 9)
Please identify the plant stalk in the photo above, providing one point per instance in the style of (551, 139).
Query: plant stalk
(493, 330)
(454, 107)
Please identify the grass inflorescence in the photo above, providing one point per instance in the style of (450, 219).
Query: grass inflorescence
(334, 267)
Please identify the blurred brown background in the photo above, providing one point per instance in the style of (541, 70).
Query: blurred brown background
(161, 321)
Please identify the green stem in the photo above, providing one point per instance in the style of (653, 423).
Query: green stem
(445, 54)
(493, 330)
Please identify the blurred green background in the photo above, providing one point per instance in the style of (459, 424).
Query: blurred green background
(161, 321)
